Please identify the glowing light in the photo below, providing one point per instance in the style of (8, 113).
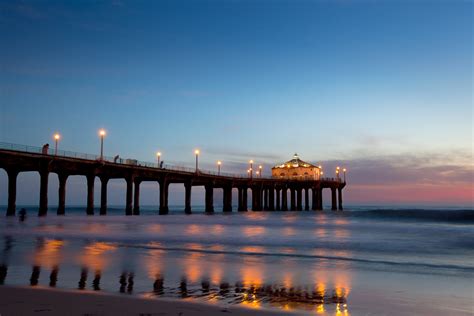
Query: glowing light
(219, 162)
(344, 169)
(196, 151)
(158, 154)
(251, 161)
(57, 136)
(102, 132)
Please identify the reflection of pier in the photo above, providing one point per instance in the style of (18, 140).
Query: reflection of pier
(270, 194)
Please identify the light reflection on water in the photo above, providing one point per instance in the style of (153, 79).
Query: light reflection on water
(292, 264)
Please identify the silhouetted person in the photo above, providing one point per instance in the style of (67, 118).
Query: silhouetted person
(22, 214)
(158, 285)
(45, 149)
(161, 165)
(53, 278)
(116, 158)
(96, 281)
(3, 273)
(205, 286)
(82, 281)
(35, 275)
(130, 282)
(183, 288)
(123, 282)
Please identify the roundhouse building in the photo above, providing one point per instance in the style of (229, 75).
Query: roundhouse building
(297, 169)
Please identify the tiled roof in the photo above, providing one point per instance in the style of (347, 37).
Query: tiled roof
(296, 162)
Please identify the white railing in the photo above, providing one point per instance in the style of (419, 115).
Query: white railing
(133, 162)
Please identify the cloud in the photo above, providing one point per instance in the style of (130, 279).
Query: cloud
(428, 168)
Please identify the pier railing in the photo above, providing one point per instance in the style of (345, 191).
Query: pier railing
(133, 162)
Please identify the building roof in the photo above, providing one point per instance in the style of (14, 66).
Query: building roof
(296, 162)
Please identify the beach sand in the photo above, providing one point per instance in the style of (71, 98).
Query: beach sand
(19, 301)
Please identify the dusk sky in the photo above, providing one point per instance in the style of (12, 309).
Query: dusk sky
(383, 88)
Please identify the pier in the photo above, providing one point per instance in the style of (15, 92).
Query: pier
(268, 193)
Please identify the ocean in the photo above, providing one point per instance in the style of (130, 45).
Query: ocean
(360, 261)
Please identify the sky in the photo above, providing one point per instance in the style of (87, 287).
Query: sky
(383, 88)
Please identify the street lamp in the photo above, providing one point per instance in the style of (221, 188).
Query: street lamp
(57, 137)
(158, 157)
(258, 173)
(196, 152)
(251, 168)
(248, 172)
(260, 170)
(337, 172)
(102, 135)
(344, 170)
(219, 163)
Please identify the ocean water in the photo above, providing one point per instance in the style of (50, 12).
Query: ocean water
(361, 261)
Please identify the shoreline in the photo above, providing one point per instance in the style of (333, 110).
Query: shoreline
(46, 301)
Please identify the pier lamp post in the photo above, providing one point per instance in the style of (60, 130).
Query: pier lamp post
(251, 168)
(57, 137)
(248, 173)
(158, 157)
(260, 170)
(196, 152)
(344, 170)
(320, 171)
(337, 173)
(258, 173)
(219, 163)
(102, 135)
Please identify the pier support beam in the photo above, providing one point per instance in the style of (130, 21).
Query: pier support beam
(129, 196)
(255, 198)
(43, 204)
(90, 194)
(299, 199)
(136, 196)
(278, 203)
(245, 199)
(314, 199)
(339, 195)
(306, 199)
(271, 197)
(265, 199)
(103, 195)
(284, 199)
(12, 178)
(164, 185)
(62, 178)
(227, 199)
(292, 199)
(239, 199)
(333, 199)
(209, 198)
(320, 199)
(187, 197)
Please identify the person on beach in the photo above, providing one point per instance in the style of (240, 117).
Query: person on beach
(22, 214)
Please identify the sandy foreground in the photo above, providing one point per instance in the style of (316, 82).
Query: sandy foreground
(19, 301)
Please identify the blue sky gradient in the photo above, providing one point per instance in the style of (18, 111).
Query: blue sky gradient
(339, 82)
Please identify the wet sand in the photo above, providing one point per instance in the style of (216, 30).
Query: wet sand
(43, 301)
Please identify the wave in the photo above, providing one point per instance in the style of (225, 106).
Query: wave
(460, 216)
(307, 256)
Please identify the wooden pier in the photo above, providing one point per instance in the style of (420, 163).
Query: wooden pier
(268, 194)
